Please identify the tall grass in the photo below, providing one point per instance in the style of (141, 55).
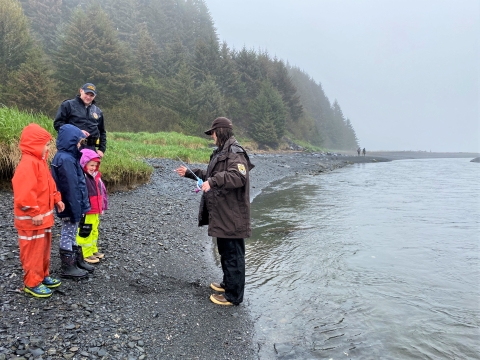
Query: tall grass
(13, 121)
(164, 145)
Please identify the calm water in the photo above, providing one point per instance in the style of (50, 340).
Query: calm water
(373, 261)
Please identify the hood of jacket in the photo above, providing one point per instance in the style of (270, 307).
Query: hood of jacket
(89, 155)
(33, 140)
(68, 138)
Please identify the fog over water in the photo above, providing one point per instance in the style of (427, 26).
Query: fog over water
(405, 72)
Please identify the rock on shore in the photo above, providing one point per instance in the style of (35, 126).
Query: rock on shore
(148, 299)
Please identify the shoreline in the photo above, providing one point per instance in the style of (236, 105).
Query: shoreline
(149, 298)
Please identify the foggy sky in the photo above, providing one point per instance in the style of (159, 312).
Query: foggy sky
(405, 72)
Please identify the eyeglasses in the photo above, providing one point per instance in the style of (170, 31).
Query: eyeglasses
(89, 94)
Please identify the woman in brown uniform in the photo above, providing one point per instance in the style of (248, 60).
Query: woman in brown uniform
(225, 208)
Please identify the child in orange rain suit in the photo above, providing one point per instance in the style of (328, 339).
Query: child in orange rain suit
(34, 196)
(87, 236)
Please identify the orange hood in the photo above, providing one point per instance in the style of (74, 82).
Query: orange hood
(33, 140)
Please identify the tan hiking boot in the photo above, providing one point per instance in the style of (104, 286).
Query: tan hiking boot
(99, 255)
(219, 299)
(217, 287)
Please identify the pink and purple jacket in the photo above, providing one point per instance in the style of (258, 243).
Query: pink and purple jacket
(97, 192)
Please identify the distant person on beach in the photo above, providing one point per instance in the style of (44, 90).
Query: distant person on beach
(34, 197)
(225, 208)
(364, 152)
(87, 236)
(70, 180)
(82, 112)
(358, 151)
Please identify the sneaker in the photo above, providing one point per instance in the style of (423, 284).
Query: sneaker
(91, 259)
(217, 287)
(51, 282)
(40, 291)
(219, 300)
(98, 255)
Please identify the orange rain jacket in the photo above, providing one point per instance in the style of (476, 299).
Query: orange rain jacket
(34, 190)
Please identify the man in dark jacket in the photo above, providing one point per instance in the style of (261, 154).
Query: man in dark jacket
(85, 115)
(225, 208)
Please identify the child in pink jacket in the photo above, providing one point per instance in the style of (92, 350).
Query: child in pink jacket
(87, 236)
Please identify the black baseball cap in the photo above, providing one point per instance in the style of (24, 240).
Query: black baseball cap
(89, 87)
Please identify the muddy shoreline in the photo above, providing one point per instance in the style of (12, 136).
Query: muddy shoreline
(148, 298)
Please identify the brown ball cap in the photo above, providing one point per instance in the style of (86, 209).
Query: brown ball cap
(221, 122)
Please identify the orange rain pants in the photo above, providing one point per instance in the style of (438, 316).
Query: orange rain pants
(35, 248)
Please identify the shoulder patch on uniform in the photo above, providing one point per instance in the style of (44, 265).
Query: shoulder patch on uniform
(242, 169)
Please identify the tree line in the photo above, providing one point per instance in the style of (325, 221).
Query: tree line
(158, 66)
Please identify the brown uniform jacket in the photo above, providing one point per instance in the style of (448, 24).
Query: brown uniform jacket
(226, 207)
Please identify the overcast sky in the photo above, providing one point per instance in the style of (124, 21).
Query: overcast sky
(405, 72)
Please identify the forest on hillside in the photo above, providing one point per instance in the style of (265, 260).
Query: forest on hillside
(158, 66)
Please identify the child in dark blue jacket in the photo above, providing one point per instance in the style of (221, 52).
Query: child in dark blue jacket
(70, 180)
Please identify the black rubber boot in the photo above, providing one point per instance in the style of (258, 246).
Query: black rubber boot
(81, 263)
(69, 267)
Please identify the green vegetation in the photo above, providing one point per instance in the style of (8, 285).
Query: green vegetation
(158, 66)
(124, 166)
(13, 121)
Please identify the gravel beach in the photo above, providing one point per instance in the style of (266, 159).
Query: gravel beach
(149, 297)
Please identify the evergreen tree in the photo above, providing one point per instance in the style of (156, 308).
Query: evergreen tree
(181, 96)
(160, 17)
(195, 24)
(277, 108)
(249, 70)
(263, 128)
(203, 29)
(15, 39)
(210, 103)
(91, 52)
(268, 116)
(352, 140)
(283, 82)
(206, 59)
(45, 17)
(172, 57)
(227, 75)
(338, 126)
(230, 85)
(147, 53)
(123, 14)
(31, 87)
